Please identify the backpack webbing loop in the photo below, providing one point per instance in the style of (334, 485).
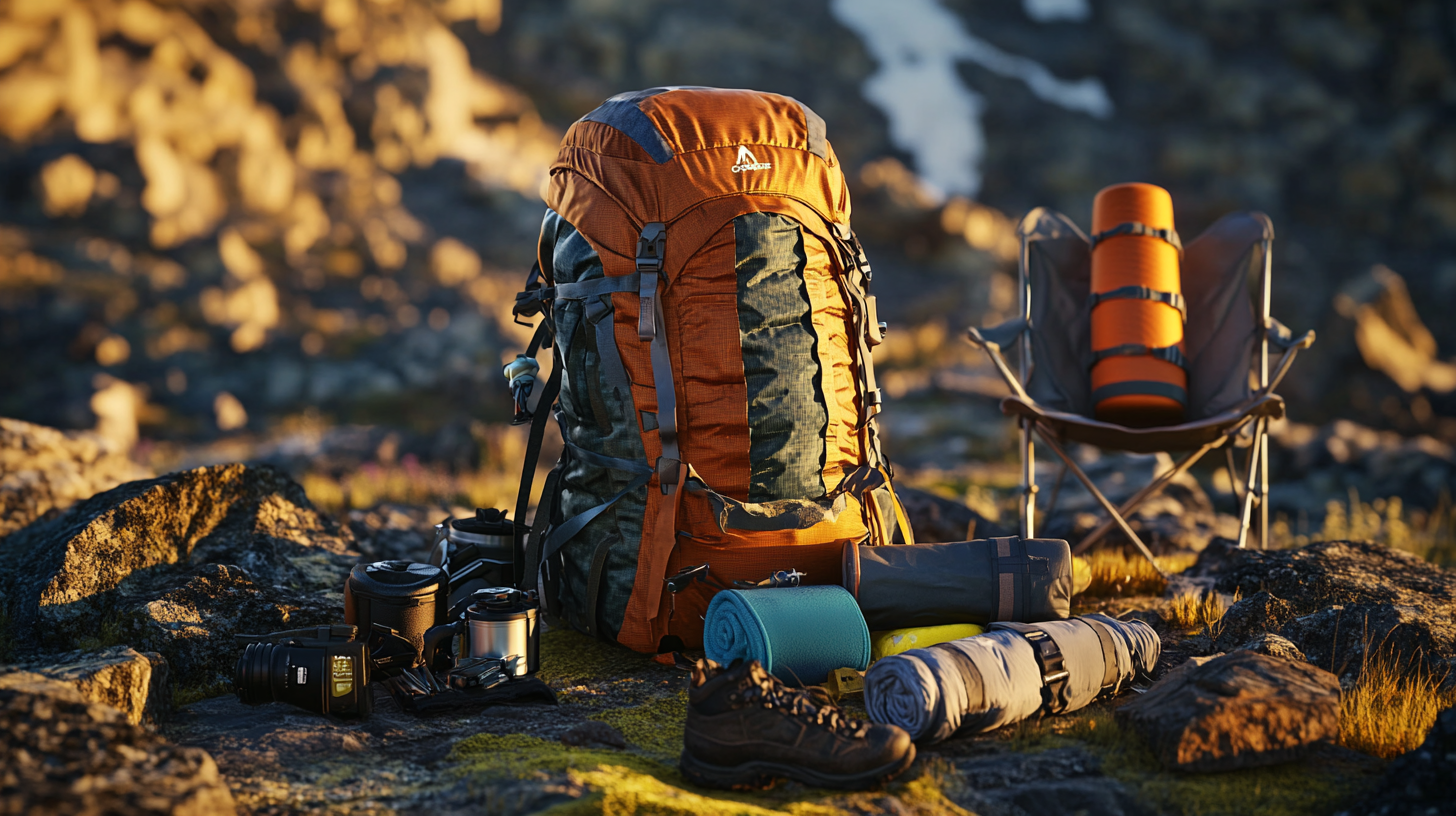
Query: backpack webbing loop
(533, 455)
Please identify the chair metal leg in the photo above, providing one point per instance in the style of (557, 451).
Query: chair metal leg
(1127, 530)
(1152, 489)
(1264, 485)
(1251, 488)
(1028, 481)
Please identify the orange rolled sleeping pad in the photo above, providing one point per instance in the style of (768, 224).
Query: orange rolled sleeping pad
(1138, 374)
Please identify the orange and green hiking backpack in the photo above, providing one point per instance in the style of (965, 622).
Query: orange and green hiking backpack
(709, 313)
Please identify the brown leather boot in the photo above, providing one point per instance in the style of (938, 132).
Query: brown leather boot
(745, 729)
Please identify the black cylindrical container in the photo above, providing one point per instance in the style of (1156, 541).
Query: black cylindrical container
(998, 579)
(325, 678)
(477, 553)
(503, 622)
(406, 596)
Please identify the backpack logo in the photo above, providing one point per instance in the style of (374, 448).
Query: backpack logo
(747, 161)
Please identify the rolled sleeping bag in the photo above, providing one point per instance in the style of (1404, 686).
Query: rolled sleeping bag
(1139, 376)
(799, 634)
(988, 579)
(978, 684)
(895, 641)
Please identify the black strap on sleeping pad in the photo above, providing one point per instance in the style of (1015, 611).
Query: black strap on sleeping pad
(1002, 554)
(1168, 354)
(1173, 299)
(1142, 388)
(1138, 228)
(1109, 654)
(525, 565)
(1049, 660)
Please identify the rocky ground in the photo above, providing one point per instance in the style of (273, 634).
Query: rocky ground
(120, 609)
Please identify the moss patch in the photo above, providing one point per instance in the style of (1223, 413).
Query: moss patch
(569, 657)
(623, 783)
(655, 727)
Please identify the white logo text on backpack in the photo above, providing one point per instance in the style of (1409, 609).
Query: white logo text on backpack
(747, 161)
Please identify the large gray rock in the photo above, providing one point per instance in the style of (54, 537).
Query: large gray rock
(132, 682)
(177, 565)
(1339, 602)
(1239, 710)
(43, 470)
(1247, 619)
(60, 753)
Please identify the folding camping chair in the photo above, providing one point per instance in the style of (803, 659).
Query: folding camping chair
(1052, 395)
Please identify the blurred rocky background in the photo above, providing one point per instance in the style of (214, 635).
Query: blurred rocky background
(289, 230)
(288, 233)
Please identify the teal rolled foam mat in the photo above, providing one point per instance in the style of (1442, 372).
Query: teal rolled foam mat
(799, 634)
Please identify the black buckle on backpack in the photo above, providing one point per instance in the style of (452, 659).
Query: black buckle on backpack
(1054, 673)
(782, 578)
(533, 300)
(651, 245)
(684, 577)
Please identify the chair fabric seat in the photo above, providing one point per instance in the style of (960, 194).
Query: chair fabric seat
(1070, 427)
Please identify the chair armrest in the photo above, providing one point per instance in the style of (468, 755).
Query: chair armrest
(1000, 336)
(1280, 336)
(992, 340)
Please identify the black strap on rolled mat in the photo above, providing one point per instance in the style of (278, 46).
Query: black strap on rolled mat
(1173, 299)
(1008, 559)
(1138, 228)
(1141, 388)
(1109, 654)
(1168, 354)
(1049, 660)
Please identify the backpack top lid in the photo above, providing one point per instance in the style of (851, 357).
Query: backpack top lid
(662, 151)
(668, 121)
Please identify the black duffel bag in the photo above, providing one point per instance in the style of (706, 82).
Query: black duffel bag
(989, 579)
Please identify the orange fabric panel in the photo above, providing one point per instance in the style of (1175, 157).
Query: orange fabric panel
(692, 119)
(596, 137)
(750, 556)
(702, 308)
(664, 192)
(840, 376)
(1135, 260)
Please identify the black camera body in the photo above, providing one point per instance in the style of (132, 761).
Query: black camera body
(321, 669)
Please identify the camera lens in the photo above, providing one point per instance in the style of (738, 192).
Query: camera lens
(325, 679)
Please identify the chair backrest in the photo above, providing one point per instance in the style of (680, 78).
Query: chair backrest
(1056, 274)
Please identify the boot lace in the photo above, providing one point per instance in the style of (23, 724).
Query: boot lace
(807, 705)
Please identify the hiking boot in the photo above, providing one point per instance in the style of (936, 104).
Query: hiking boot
(745, 728)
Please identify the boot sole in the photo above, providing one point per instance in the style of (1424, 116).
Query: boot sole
(761, 775)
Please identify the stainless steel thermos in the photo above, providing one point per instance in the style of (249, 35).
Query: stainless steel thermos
(500, 623)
